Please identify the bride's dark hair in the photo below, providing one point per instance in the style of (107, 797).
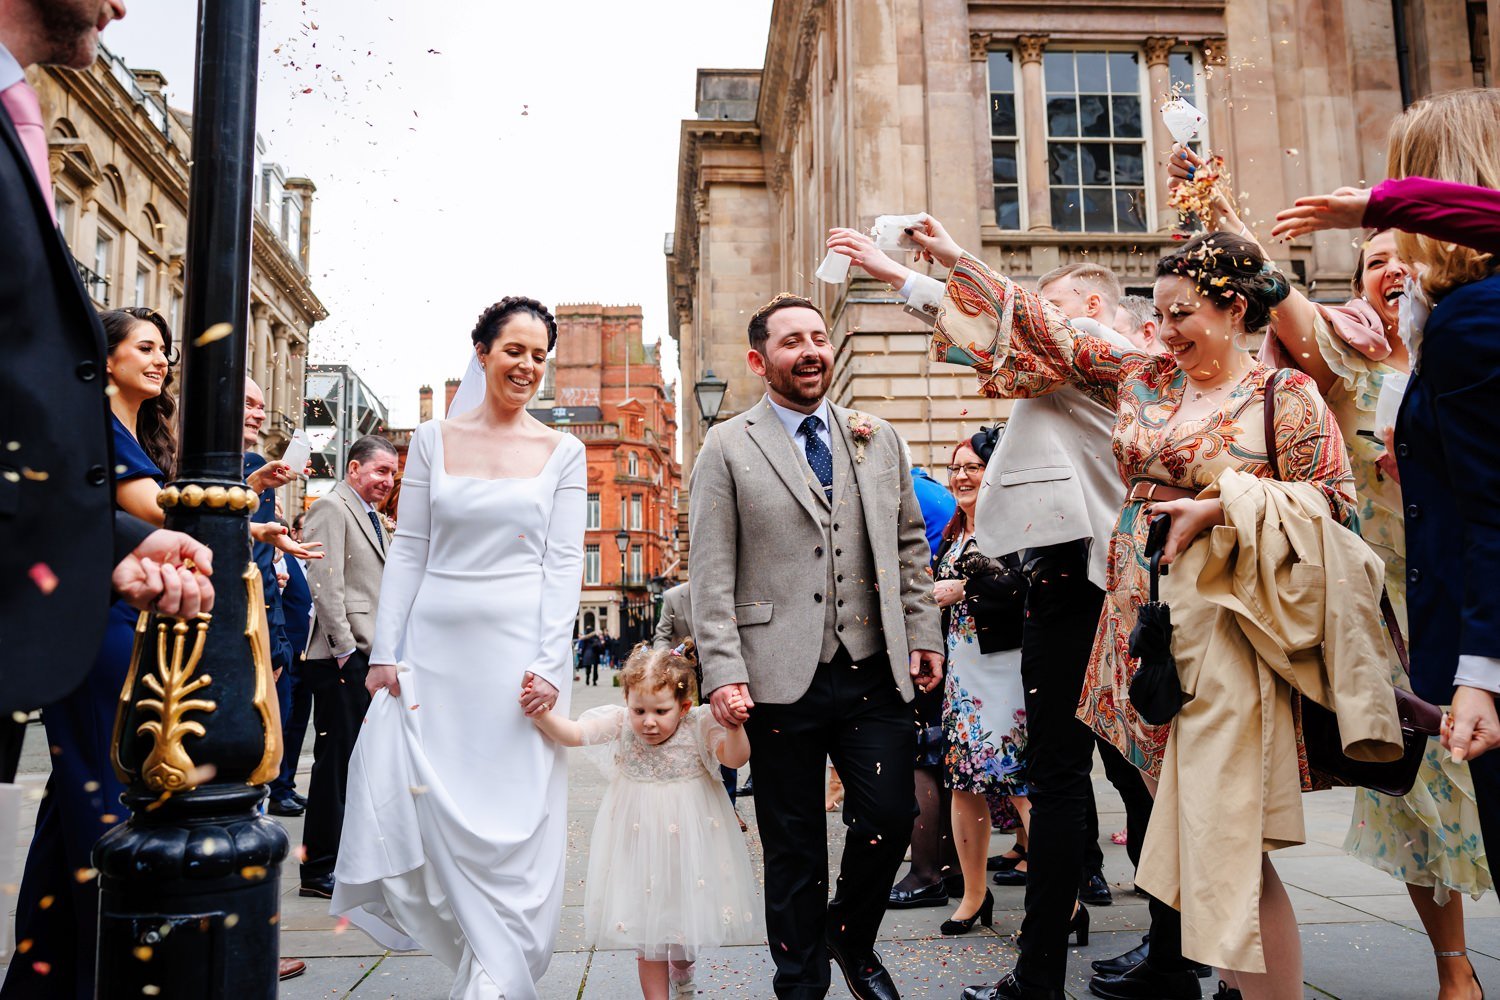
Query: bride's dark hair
(493, 320)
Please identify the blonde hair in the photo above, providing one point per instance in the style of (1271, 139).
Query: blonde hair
(1448, 137)
(660, 670)
(1096, 276)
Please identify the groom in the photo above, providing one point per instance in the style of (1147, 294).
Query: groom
(811, 595)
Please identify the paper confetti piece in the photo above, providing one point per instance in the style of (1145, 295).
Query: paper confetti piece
(216, 332)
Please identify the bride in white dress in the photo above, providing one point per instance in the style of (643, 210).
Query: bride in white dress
(456, 821)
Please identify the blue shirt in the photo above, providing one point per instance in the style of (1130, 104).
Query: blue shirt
(131, 460)
(937, 506)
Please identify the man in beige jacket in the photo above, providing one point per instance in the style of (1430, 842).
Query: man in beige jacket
(345, 588)
(812, 608)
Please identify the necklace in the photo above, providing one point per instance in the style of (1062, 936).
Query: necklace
(1199, 394)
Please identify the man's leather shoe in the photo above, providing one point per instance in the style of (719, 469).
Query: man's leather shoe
(1009, 876)
(1121, 964)
(866, 977)
(319, 887)
(285, 807)
(1095, 891)
(1145, 983)
(1010, 988)
(301, 799)
(911, 899)
(289, 968)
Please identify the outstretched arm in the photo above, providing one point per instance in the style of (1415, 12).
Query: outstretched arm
(559, 729)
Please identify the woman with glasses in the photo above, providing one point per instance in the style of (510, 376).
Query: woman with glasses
(984, 714)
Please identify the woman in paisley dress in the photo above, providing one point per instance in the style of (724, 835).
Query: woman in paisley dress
(1184, 419)
(984, 704)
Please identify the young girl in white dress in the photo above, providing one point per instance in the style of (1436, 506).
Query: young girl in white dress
(668, 870)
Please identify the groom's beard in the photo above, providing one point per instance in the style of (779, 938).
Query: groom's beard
(786, 385)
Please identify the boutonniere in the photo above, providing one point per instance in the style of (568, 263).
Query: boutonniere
(862, 430)
(389, 524)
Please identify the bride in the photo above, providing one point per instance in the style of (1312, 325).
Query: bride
(456, 819)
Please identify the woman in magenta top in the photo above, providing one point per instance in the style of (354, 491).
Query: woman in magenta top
(1454, 213)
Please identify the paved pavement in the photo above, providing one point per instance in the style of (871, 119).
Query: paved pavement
(1361, 938)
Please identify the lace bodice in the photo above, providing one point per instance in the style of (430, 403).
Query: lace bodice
(690, 753)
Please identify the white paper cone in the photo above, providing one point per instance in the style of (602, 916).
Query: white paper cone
(1182, 119)
(890, 232)
(835, 268)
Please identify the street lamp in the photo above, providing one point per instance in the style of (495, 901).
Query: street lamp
(622, 542)
(709, 392)
(189, 888)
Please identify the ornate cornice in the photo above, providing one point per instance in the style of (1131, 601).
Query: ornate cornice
(795, 25)
(268, 254)
(979, 45)
(1031, 47)
(1216, 51)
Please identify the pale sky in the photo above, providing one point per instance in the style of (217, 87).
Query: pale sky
(463, 156)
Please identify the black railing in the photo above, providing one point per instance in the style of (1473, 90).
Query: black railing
(96, 284)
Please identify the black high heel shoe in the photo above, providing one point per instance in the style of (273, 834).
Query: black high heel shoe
(1003, 862)
(985, 915)
(1079, 925)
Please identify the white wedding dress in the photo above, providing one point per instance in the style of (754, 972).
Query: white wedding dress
(456, 817)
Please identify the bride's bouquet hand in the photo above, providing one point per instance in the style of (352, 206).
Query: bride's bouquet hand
(383, 676)
(537, 695)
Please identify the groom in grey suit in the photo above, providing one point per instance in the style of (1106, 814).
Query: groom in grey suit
(812, 601)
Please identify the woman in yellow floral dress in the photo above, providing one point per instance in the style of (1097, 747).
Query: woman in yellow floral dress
(1184, 419)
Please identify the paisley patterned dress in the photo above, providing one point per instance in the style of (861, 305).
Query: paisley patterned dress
(1430, 836)
(1021, 347)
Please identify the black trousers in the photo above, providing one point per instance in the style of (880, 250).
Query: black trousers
(1062, 617)
(1137, 798)
(591, 673)
(339, 705)
(1485, 771)
(854, 714)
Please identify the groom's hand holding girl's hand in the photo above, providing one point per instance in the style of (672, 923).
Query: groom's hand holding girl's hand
(731, 705)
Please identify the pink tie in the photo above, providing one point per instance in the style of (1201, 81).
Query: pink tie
(25, 110)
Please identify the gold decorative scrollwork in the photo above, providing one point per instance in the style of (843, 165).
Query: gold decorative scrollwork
(168, 768)
(258, 632)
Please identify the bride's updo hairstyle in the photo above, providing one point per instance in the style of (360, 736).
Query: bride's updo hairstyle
(660, 670)
(493, 320)
(1221, 266)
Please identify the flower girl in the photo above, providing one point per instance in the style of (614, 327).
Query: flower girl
(668, 870)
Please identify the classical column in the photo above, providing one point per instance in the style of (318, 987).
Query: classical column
(278, 373)
(1218, 106)
(260, 344)
(1159, 86)
(1034, 131)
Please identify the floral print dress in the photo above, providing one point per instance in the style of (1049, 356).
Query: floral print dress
(984, 703)
(1023, 347)
(1430, 836)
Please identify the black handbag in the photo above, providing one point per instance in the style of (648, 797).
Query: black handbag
(1420, 720)
(995, 590)
(1155, 689)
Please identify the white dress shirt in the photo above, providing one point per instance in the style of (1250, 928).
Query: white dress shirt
(792, 420)
(11, 72)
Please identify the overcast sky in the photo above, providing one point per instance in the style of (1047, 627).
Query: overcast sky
(463, 156)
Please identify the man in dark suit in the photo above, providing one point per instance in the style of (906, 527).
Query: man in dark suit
(63, 546)
(588, 658)
(1445, 440)
(296, 704)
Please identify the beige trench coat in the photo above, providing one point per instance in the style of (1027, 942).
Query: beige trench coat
(1280, 596)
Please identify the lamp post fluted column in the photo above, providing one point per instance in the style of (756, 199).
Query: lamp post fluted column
(189, 900)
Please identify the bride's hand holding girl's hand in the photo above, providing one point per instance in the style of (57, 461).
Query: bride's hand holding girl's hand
(1190, 518)
(537, 695)
(383, 676)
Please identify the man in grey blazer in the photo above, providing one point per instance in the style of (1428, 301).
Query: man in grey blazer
(812, 607)
(676, 621)
(345, 587)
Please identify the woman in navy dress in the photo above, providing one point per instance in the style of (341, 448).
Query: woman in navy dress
(57, 909)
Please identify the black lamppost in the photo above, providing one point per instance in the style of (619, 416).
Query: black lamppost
(709, 392)
(622, 542)
(189, 886)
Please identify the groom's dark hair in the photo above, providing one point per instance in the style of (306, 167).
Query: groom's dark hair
(786, 300)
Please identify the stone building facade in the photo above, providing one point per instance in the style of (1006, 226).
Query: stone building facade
(1029, 128)
(119, 159)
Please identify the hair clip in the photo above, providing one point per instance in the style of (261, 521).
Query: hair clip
(680, 649)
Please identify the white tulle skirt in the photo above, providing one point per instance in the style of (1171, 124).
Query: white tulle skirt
(669, 873)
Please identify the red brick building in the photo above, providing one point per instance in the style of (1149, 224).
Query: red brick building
(605, 385)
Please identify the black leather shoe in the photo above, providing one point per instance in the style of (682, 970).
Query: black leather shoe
(1095, 891)
(1009, 988)
(866, 977)
(1010, 876)
(1145, 983)
(748, 788)
(301, 799)
(912, 899)
(1002, 863)
(1227, 992)
(1121, 964)
(985, 915)
(319, 887)
(285, 807)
